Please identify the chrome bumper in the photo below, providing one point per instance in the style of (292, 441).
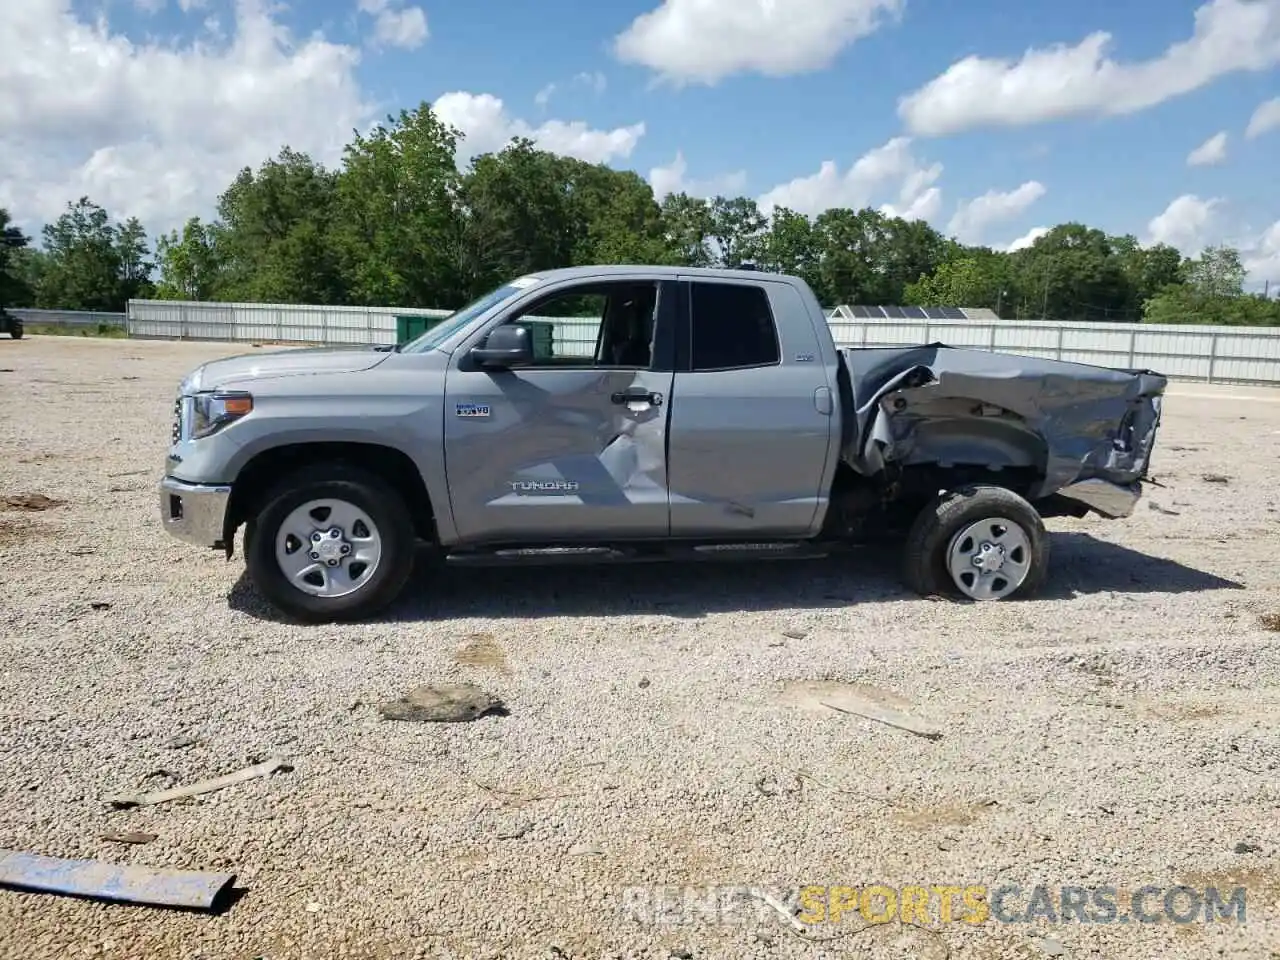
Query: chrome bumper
(1109, 499)
(194, 512)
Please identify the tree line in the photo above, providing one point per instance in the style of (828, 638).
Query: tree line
(397, 223)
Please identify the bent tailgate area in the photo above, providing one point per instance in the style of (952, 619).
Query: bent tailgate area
(1087, 431)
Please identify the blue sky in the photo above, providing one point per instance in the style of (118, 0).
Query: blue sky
(753, 96)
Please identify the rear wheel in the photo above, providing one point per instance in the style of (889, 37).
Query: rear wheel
(977, 542)
(332, 542)
(15, 329)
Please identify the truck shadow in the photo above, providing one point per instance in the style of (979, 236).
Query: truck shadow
(1081, 565)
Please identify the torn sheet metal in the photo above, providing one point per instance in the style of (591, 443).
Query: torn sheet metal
(111, 881)
(940, 404)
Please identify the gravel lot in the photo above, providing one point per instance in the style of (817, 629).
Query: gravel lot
(1121, 730)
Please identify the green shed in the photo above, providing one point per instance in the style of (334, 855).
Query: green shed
(409, 326)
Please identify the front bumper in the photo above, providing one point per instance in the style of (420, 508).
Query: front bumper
(194, 512)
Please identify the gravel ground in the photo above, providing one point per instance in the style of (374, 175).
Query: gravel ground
(1120, 730)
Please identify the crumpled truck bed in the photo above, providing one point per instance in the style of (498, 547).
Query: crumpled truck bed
(1088, 429)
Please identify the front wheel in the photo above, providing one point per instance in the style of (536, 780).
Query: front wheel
(979, 542)
(15, 329)
(331, 543)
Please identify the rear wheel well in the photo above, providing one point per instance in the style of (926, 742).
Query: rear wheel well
(885, 506)
(257, 478)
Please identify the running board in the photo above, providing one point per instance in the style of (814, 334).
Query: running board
(640, 553)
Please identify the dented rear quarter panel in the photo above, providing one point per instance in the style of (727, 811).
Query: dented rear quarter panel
(935, 403)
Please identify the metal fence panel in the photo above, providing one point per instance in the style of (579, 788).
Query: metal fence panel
(1191, 352)
(75, 319)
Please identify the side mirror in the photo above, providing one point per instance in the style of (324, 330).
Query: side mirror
(506, 346)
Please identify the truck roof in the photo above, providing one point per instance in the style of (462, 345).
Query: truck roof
(709, 273)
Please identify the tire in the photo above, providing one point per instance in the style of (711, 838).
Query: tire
(349, 492)
(15, 330)
(927, 560)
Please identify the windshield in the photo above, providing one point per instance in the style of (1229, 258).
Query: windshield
(432, 338)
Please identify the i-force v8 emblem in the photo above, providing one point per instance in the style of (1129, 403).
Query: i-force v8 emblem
(473, 410)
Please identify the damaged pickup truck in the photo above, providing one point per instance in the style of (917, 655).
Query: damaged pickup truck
(630, 413)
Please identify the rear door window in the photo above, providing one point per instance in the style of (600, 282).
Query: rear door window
(731, 327)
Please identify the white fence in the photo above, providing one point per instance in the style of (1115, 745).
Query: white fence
(1187, 352)
(267, 322)
(1212, 353)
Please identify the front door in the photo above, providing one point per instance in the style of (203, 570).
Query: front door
(573, 446)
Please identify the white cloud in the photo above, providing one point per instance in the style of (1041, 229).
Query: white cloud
(672, 179)
(155, 6)
(1027, 239)
(1063, 81)
(393, 26)
(704, 41)
(924, 207)
(973, 217)
(1264, 119)
(157, 130)
(1212, 151)
(488, 127)
(1262, 257)
(1191, 224)
(595, 80)
(890, 168)
(1188, 223)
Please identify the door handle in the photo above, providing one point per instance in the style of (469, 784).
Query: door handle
(637, 395)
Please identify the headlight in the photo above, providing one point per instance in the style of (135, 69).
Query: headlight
(210, 412)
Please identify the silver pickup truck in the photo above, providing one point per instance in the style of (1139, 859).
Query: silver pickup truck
(601, 414)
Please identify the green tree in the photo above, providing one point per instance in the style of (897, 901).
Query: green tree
(791, 245)
(83, 269)
(135, 266)
(516, 217)
(1217, 274)
(1147, 270)
(737, 230)
(278, 233)
(971, 281)
(1071, 273)
(615, 216)
(191, 265)
(686, 224)
(847, 256)
(14, 291)
(398, 216)
(903, 252)
(1211, 291)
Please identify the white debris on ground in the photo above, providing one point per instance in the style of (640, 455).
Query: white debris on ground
(1120, 730)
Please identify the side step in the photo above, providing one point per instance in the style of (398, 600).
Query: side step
(640, 553)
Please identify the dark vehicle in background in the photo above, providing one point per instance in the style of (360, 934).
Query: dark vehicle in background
(10, 324)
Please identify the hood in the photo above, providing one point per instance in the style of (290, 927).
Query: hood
(283, 363)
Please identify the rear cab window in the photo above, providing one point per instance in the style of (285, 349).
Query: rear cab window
(731, 327)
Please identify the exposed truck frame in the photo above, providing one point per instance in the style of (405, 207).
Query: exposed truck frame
(712, 417)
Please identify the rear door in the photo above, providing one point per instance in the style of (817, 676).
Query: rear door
(572, 447)
(751, 413)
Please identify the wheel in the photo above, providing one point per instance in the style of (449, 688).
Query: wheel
(15, 329)
(331, 542)
(979, 542)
